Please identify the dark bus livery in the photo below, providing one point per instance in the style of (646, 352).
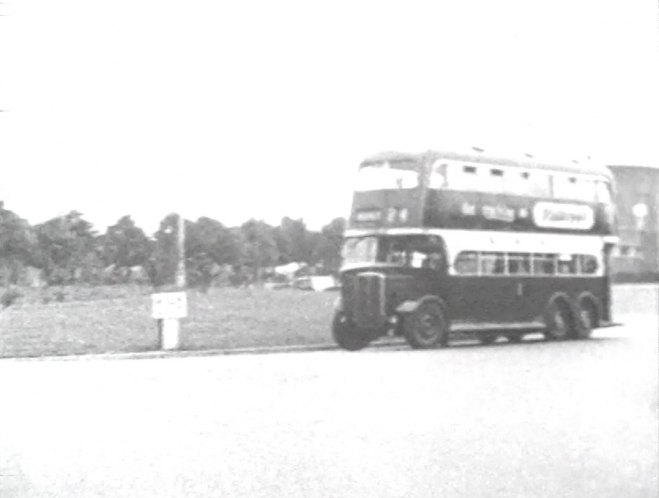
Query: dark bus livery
(441, 243)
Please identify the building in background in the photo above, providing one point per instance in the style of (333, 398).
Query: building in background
(636, 257)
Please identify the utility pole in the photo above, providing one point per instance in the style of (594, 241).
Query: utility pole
(180, 245)
(169, 307)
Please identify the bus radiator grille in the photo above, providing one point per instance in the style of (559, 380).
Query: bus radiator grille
(369, 301)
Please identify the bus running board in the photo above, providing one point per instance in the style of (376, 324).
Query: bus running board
(510, 328)
(516, 327)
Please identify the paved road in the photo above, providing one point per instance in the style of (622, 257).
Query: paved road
(536, 419)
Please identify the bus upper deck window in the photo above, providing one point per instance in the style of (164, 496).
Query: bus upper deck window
(386, 176)
(573, 188)
(496, 182)
(437, 176)
(539, 184)
(517, 183)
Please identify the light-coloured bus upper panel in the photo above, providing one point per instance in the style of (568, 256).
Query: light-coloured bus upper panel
(488, 240)
(582, 168)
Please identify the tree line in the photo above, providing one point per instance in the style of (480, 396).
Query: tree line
(66, 250)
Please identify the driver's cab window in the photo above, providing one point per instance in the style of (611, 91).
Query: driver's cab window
(396, 254)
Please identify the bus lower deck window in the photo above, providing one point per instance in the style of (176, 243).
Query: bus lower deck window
(519, 264)
(543, 264)
(588, 264)
(492, 263)
(467, 263)
(567, 265)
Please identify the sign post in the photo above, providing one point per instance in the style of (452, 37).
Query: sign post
(180, 249)
(169, 307)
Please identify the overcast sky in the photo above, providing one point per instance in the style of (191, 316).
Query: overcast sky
(263, 109)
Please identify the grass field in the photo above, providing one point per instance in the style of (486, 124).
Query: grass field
(116, 319)
(222, 318)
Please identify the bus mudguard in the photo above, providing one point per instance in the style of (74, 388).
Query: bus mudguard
(407, 307)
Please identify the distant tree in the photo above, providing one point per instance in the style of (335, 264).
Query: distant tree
(164, 257)
(125, 245)
(65, 244)
(213, 238)
(209, 246)
(328, 249)
(294, 241)
(17, 244)
(260, 246)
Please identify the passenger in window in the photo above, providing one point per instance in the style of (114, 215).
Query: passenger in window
(566, 267)
(518, 264)
(524, 265)
(588, 264)
(434, 261)
(467, 263)
(396, 254)
(544, 264)
(499, 265)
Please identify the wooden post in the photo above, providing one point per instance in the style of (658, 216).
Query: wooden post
(180, 244)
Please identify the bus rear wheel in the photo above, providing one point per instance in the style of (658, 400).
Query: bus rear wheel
(559, 323)
(588, 318)
(427, 326)
(346, 335)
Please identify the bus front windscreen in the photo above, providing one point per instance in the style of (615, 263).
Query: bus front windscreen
(362, 250)
(408, 251)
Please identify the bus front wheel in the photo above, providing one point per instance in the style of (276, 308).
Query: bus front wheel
(346, 335)
(427, 326)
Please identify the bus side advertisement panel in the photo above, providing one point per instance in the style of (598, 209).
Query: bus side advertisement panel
(477, 210)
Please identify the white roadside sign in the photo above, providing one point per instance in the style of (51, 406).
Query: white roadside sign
(167, 305)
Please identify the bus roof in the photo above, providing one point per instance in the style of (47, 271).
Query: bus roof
(586, 168)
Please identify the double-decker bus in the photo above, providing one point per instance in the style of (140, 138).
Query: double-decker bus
(442, 243)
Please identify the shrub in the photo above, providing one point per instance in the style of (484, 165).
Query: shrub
(9, 297)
